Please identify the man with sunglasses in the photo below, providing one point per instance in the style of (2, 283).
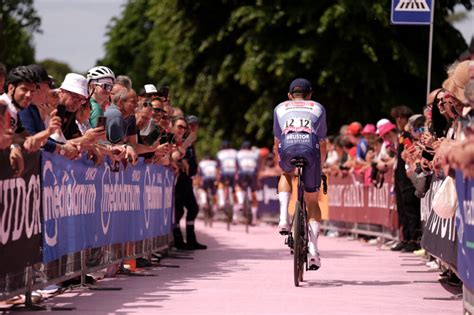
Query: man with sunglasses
(100, 81)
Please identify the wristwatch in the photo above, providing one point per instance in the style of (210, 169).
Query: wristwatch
(14, 145)
(62, 150)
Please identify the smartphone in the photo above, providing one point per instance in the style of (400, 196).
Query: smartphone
(102, 121)
(170, 138)
(61, 112)
(427, 155)
(407, 143)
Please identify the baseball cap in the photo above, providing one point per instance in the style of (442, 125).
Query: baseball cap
(300, 85)
(354, 128)
(192, 120)
(380, 123)
(75, 83)
(150, 89)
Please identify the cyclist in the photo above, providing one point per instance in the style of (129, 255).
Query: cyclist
(208, 174)
(247, 162)
(227, 162)
(300, 130)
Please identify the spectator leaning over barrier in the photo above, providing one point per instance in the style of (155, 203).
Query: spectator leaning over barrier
(184, 193)
(31, 118)
(3, 75)
(408, 205)
(6, 133)
(100, 81)
(72, 95)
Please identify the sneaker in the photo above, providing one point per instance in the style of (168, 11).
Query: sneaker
(421, 252)
(410, 247)
(432, 265)
(283, 228)
(314, 262)
(398, 247)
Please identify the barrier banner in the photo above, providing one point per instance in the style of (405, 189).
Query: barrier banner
(439, 235)
(267, 196)
(87, 206)
(352, 201)
(465, 229)
(20, 216)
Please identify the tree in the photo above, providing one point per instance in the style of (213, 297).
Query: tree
(18, 20)
(231, 62)
(57, 69)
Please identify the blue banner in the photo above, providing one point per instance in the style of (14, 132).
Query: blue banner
(465, 228)
(87, 206)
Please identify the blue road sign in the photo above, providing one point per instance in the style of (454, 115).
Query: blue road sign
(413, 12)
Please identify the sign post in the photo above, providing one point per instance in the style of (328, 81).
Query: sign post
(415, 12)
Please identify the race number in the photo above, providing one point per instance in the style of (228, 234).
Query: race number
(297, 124)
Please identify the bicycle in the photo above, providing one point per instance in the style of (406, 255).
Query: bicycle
(299, 242)
(247, 205)
(209, 213)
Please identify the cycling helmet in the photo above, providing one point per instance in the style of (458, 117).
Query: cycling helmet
(246, 145)
(99, 72)
(21, 74)
(40, 73)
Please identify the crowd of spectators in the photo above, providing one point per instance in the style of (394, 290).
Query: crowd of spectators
(100, 116)
(420, 150)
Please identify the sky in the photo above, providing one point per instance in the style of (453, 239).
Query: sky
(74, 31)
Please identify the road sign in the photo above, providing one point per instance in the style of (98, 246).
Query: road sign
(413, 12)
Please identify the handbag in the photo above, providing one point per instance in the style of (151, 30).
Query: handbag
(445, 200)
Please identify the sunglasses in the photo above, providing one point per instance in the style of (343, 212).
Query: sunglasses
(106, 86)
(419, 130)
(159, 110)
(182, 127)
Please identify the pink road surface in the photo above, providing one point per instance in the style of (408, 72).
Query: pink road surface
(252, 274)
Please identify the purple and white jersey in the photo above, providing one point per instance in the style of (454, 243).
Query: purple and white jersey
(208, 169)
(247, 161)
(299, 116)
(227, 160)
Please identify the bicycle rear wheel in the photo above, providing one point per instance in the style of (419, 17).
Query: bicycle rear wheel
(298, 245)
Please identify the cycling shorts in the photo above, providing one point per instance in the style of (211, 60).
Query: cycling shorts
(305, 145)
(228, 178)
(248, 180)
(208, 184)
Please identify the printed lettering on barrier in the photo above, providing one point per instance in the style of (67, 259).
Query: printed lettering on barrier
(352, 201)
(85, 206)
(267, 197)
(20, 200)
(465, 229)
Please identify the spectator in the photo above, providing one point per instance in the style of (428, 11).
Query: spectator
(31, 118)
(100, 81)
(6, 134)
(184, 193)
(408, 205)
(124, 81)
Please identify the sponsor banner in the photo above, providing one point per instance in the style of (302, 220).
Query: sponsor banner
(465, 229)
(352, 201)
(439, 235)
(85, 206)
(267, 197)
(20, 216)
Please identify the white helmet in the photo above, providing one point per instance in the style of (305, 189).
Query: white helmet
(99, 72)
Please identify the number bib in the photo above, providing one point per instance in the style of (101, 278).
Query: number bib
(297, 125)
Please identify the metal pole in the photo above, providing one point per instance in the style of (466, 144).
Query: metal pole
(430, 48)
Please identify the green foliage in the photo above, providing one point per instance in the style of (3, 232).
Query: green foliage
(230, 62)
(57, 69)
(18, 20)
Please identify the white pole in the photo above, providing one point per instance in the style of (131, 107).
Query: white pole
(430, 48)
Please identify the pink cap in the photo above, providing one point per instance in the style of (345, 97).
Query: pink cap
(386, 128)
(368, 129)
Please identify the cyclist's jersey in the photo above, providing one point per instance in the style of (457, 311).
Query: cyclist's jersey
(299, 116)
(227, 160)
(247, 161)
(208, 169)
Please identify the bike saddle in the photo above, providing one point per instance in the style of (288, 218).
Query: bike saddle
(298, 161)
